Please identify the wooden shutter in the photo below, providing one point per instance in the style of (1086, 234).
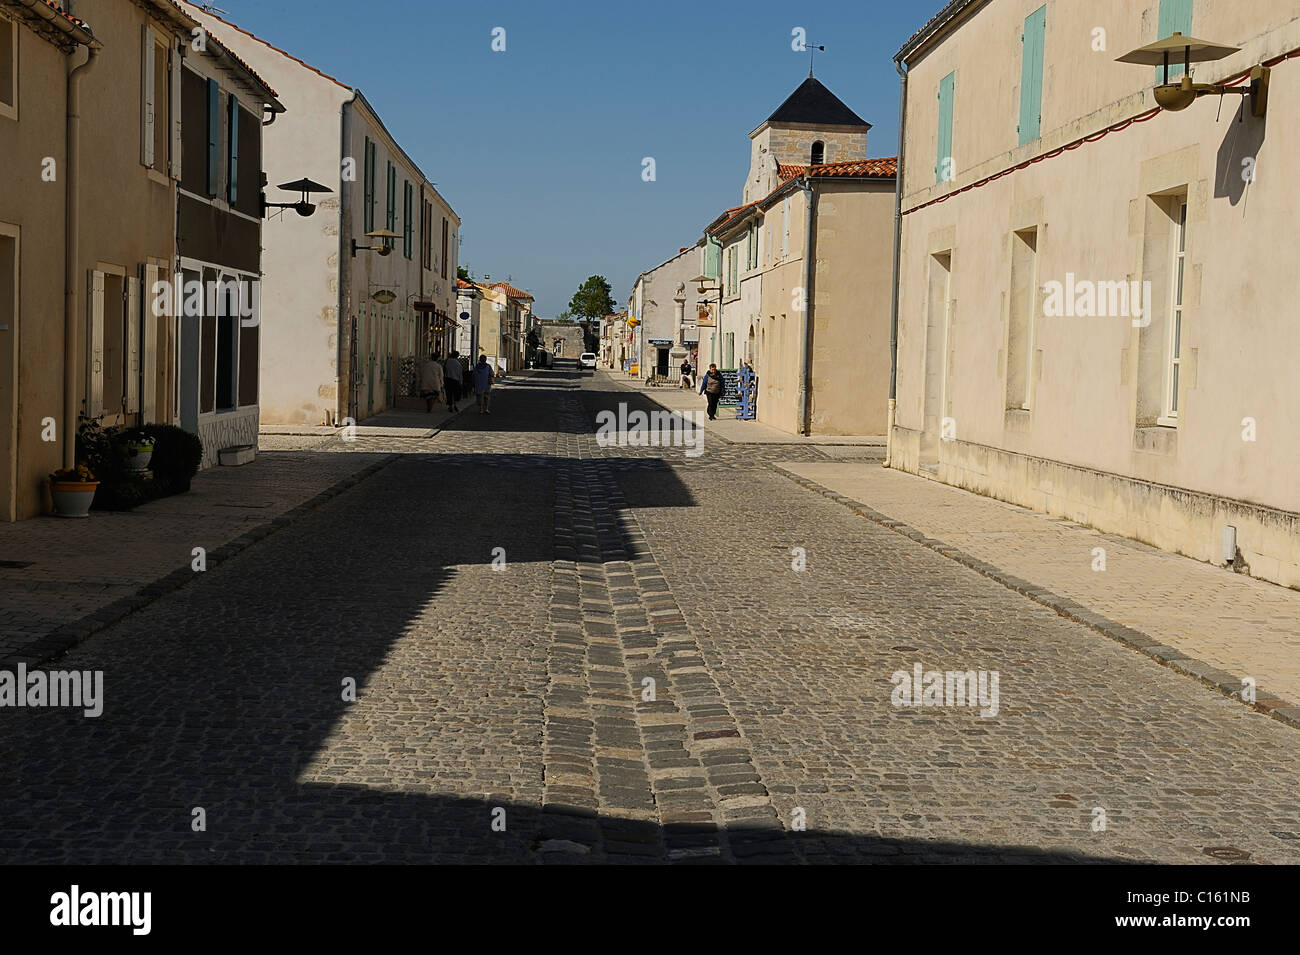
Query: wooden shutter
(131, 322)
(943, 165)
(368, 220)
(408, 227)
(147, 105)
(149, 343)
(712, 258)
(232, 183)
(95, 346)
(1175, 17)
(175, 64)
(214, 136)
(1031, 75)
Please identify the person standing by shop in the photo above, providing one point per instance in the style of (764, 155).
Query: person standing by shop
(686, 374)
(712, 386)
(454, 376)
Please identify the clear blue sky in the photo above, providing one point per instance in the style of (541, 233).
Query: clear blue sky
(539, 148)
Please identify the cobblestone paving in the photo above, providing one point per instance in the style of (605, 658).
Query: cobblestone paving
(520, 696)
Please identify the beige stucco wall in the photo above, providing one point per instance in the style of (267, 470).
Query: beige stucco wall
(849, 367)
(1085, 448)
(777, 332)
(31, 219)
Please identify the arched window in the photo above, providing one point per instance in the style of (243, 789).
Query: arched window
(818, 153)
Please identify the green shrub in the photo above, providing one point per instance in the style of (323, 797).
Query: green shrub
(177, 455)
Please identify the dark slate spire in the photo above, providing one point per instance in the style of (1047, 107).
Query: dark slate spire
(814, 104)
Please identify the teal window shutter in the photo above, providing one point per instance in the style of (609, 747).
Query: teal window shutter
(369, 211)
(392, 198)
(214, 135)
(944, 168)
(1175, 17)
(1031, 75)
(712, 258)
(232, 183)
(408, 232)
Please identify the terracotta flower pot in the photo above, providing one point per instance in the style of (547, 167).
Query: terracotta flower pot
(73, 498)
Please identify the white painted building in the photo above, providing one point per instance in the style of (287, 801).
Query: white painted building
(342, 323)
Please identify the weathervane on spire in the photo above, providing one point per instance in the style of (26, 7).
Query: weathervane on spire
(812, 51)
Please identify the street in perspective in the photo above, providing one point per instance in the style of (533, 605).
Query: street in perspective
(857, 436)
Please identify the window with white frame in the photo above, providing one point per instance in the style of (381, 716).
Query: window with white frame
(159, 83)
(1174, 345)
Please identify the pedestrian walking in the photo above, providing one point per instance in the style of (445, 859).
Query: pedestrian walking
(431, 381)
(454, 376)
(686, 375)
(712, 386)
(482, 378)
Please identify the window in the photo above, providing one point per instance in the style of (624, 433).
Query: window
(214, 137)
(1020, 320)
(1175, 343)
(8, 68)
(944, 169)
(408, 224)
(113, 345)
(232, 149)
(369, 201)
(444, 247)
(392, 198)
(1031, 75)
(156, 102)
(818, 153)
(1175, 17)
(426, 234)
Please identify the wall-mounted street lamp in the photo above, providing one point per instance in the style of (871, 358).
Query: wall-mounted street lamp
(1181, 94)
(385, 237)
(304, 206)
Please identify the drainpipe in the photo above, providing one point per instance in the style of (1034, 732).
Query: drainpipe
(893, 295)
(71, 258)
(809, 198)
(346, 264)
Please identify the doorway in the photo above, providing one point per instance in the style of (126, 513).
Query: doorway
(661, 362)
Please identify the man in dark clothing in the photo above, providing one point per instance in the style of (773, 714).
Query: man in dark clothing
(686, 374)
(712, 386)
(454, 374)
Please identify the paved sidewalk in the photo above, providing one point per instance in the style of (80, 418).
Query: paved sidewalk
(728, 428)
(1222, 626)
(98, 568)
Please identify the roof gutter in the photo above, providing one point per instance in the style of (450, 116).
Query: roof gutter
(898, 245)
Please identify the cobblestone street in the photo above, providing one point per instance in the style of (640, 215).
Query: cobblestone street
(643, 676)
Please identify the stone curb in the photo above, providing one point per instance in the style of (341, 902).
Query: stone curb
(1226, 683)
(67, 635)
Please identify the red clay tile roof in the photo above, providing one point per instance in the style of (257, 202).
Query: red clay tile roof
(512, 291)
(461, 283)
(856, 169)
(66, 15)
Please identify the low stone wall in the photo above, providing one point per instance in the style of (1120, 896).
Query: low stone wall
(1175, 519)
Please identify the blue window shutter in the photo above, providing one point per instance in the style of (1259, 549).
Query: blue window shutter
(214, 135)
(712, 258)
(943, 165)
(232, 184)
(1031, 75)
(1175, 17)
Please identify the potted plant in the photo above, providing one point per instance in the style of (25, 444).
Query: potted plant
(139, 449)
(73, 490)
